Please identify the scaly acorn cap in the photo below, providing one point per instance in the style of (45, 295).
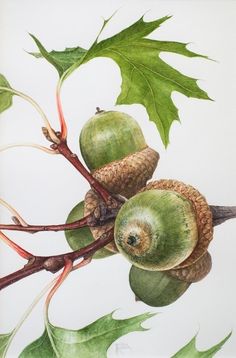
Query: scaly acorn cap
(128, 175)
(195, 272)
(114, 149)
(81, 237)
(91, 203)
(202, 211)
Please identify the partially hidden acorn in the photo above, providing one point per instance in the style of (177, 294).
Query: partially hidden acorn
(161, 288)
(114, 149)
(167, 225)
(81, 237)
(155, 288)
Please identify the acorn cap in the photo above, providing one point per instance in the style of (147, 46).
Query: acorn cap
(202, 210)
(81, 237)
(91, 203)
(128, 175)
(195, 272)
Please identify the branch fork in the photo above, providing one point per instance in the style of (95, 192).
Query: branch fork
(52, 263)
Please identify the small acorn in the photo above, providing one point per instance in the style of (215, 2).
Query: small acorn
(155, 288)
(167, 225)
(81, 237)
(161, 288)
(114, 149)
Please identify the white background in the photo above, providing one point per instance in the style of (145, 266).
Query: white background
(44, 188)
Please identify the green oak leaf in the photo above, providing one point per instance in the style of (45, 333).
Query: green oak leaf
(61, 60)
(146, 78)
(5, 340)
(5, 96)
(190, 350)
(91, 341)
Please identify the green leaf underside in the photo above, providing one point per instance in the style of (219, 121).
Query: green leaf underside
(5, 96)
(4, 341)
(190, 350)
(146, 79)
(91, 341)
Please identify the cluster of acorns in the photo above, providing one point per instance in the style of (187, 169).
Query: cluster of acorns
(163, 228)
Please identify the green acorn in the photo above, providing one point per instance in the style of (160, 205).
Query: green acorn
(114, 149)
(156, 288)
(161, 288)
(81, 237)
(168, 225)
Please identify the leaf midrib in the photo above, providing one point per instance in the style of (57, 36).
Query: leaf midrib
(155, 72)
(91, 338)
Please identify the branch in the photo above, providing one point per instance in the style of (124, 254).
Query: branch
(222, 213)
(85, 221)
(56, 262)
(38, 109)
(63, 149)
(96, 218)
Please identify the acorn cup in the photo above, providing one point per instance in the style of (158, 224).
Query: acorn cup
(81, 237)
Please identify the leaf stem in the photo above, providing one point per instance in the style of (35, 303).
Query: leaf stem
(20, 251)
(31, 145)
(60, 112)
(14, 212)
(38, 109)
(66, 270)
(27, 313)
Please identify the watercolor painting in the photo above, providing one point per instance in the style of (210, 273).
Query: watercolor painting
(118, 199)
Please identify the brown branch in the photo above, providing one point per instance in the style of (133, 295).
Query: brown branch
(96, 218)
(74, 160)
(56, 262)
(222, 213)
(22, 273)
(85, 221)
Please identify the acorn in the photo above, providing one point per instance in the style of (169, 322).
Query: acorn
(81, 237)
(156, 288)
(167, 225)
(114, 149)
(161, 288)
